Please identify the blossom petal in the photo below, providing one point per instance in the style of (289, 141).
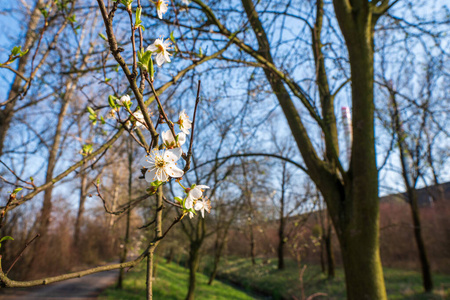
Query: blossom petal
(150, 175)
(203, 187)
(166, 56)
(173, 171)
(196, 193)
(152, 48)
(198, 205)
(167, 137)
(160, 59)
(147, 162)
(172, 155)
(181, 138)
(162, 175)
(188, 203)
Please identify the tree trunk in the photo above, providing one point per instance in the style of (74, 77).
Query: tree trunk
(322, 254)
(194, 260)
(351, 197)
(423, 257)
(217, 257)
(357, 222)
(329, 251)
(252, 243)
(281, 241)
(123, 257)
(7, 112)
(410, 184)
(83, 193)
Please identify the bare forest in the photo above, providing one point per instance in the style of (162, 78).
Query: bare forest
(190, 149)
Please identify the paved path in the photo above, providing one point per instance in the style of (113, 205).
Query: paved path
(87, 287)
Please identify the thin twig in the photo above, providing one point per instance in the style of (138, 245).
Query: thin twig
(147, 225)
(125, 208)
(189, 154)
(161, 109)
(21, 253)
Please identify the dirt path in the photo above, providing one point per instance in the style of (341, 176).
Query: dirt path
(88, 287)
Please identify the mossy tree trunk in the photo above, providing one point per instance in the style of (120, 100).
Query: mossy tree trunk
(351, 196)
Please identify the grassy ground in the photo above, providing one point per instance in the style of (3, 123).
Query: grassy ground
(171, 284)
(265, 277)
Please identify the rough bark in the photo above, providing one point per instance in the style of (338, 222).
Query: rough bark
(357, 223)
(351, 197)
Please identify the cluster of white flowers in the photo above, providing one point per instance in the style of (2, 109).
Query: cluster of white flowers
(161, 165)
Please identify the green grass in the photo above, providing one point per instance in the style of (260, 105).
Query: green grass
(171, 284)
(265, 277)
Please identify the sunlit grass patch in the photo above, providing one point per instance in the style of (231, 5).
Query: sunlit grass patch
(171, 284)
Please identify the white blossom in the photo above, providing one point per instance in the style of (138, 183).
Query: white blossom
(169, 141)
(124, 100)
(202, 205)
(112, 114)
(139, 118)
(191, 215)
(194, 194)
(161, 7)
(185, 2)
(184, 122)
(159, 48)
(161, 165)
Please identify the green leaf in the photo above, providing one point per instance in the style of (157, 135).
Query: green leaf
(152, 69)
(156, 183)
(107, 79)
(5, 238)
(15, 50)
(17, 190)
(44, 12)
(102, 120)
(72, 18)
(138, 16)
(172, 38)
(179, 200)
(103, 36)
(91, 111)
(112, 101)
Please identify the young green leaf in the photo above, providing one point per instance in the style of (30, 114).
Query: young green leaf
(91, 111)
(112, 101)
